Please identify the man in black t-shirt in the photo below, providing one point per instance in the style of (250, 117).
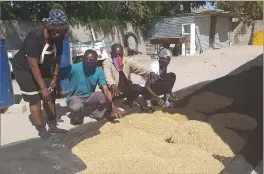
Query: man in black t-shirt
(36, 68)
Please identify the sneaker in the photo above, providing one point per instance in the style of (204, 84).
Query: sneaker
(147, 109)
(45, 135)
(76, 120)
(168, 105)
(53, 129)
(42, 132)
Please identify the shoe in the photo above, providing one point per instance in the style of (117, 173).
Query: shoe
(42, 132)
(53, 129)
(76, 120)
(129, 104)
(45, 135)
(168, 105)
(147, 109)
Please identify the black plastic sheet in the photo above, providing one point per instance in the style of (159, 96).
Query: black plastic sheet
(39, 156)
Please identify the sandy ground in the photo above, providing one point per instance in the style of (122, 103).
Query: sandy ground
(189, 70)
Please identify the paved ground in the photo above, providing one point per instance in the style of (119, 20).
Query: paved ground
(190, 70)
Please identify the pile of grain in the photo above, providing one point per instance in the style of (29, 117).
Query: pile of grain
(209, 102)
(186, 114)
(135, 151)
(212, 138)
(160, 126)
(234, 121)
(137, 145)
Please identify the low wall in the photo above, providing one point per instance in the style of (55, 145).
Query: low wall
(14, 31)
(242, 32)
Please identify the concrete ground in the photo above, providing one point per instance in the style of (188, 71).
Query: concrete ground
(189, 70)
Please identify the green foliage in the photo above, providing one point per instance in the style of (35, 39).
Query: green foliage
(97, 14)
(249, 10)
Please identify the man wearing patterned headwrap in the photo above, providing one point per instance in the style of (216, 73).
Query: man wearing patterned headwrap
(36, 68)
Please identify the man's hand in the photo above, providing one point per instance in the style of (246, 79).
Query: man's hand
(115, 91)
(154, 77)
(53, 83)
(160, 101)
(46, 94)
(116, 112)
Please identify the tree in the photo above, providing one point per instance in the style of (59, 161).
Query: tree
(249, 10)
(97, 14)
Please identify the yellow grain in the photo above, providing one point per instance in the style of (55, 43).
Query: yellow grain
(212, 138)
(135, 151)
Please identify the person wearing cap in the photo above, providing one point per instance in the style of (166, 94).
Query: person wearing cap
(162, 85)
(36, 68)
(83, 78)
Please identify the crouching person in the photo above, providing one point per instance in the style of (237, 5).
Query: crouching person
(153, 87)
(118, 72)
(84, 77)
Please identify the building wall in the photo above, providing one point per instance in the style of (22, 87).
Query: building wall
(171, 26)
(222, 33)
(242, 32)
(202, 23)
(15, 32)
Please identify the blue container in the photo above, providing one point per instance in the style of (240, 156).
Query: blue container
(6, 88)
(65, 62)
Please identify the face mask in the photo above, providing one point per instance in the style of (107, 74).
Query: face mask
(118, 63)
(89, 67)
(163, 64)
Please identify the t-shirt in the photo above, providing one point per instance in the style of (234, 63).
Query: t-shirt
(154, 67)
(35, 46)
(80, 84)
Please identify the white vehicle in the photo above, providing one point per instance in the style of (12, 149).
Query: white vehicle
(102, 47)
(10, 55)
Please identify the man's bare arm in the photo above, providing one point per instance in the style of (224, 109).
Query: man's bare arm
(107, 94)
(147, 86)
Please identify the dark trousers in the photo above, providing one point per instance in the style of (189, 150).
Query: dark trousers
(162, 86)
(130, 91)
(97, 103)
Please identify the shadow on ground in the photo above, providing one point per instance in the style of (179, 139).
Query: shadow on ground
(245, 90)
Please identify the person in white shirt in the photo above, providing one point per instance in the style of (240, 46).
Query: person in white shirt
(163, 85)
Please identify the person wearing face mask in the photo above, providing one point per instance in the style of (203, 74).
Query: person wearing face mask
(84, 77)
(163, 85)
(36, 68)
(118, 72)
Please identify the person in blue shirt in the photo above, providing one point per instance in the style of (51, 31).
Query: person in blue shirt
(83, 78)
